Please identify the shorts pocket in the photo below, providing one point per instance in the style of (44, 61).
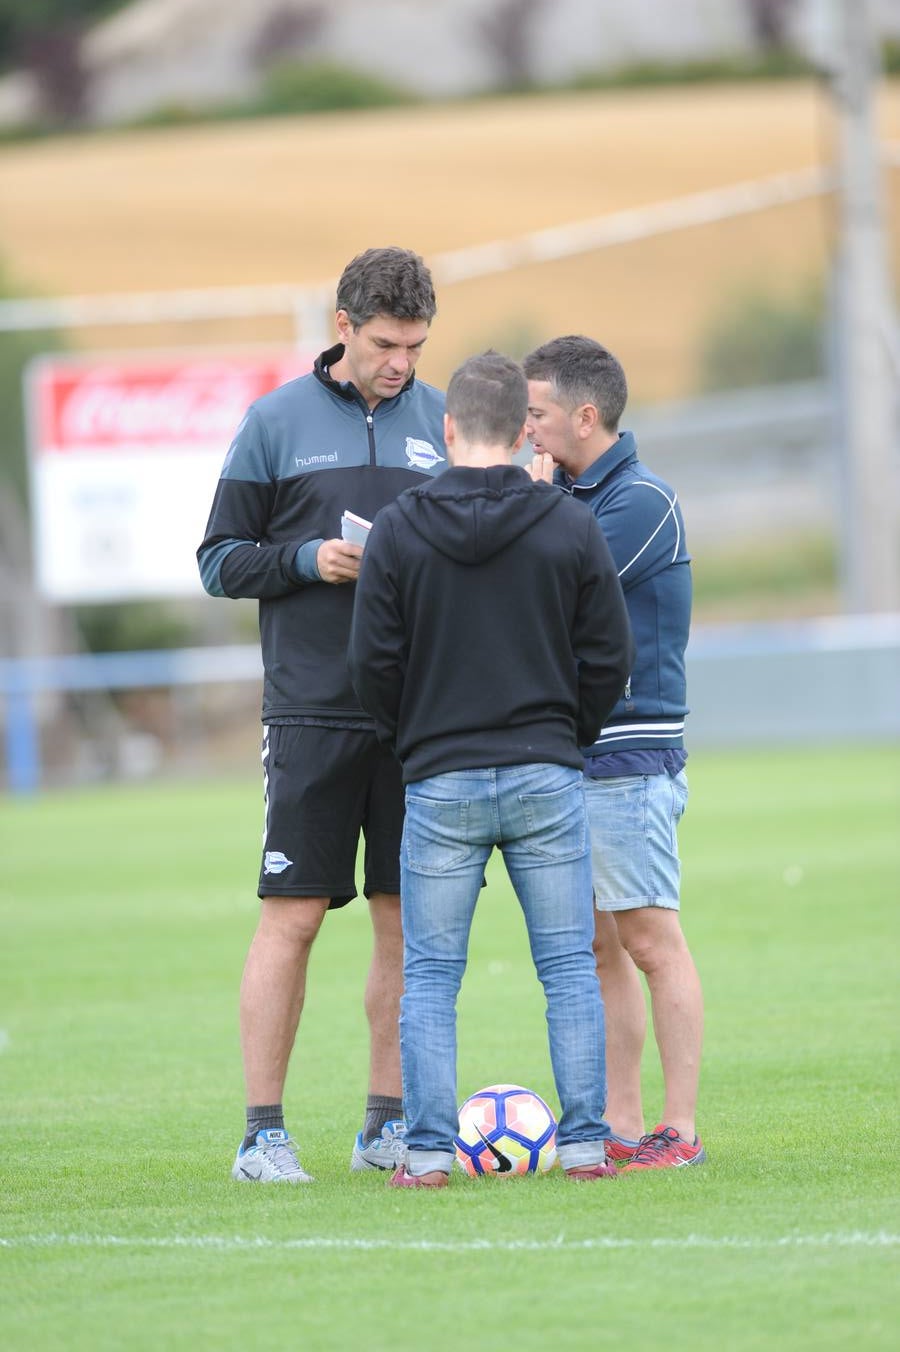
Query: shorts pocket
(680, 796)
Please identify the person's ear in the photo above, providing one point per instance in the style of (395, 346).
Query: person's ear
(343, 325)
(587, 419)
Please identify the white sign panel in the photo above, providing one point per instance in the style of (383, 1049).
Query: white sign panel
(125, 456)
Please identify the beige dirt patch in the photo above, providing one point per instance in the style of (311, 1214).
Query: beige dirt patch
(290, 200)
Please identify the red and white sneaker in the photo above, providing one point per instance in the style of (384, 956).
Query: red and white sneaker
(619, 1151)
(663, 1148)
(401, 1179)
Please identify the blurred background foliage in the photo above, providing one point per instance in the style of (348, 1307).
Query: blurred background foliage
(25, 22)
(760, 338)
(17, 349)
(44, 38)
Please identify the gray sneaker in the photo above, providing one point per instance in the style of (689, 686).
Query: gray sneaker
(386, 1151)
(271, 1159)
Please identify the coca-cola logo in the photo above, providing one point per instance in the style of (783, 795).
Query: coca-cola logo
(165, 406)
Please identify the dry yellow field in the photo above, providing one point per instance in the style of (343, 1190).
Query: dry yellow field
(290, 200)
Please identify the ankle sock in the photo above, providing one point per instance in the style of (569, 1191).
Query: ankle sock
(262, 1118)
(380, 1108)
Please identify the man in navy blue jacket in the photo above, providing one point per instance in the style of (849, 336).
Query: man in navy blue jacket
(635, 783)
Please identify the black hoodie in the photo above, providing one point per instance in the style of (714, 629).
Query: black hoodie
(489, 626)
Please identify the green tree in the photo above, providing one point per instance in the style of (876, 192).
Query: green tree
(21, 21)
(17, 349)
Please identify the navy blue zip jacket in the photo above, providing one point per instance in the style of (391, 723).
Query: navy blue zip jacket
(641, 518)
(303, 454)
(489, 626)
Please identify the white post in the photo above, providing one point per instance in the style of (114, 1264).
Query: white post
(313, 318)
(871, 564)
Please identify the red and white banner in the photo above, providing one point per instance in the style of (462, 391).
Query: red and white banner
(125, 456)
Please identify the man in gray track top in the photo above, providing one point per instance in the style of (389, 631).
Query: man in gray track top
(348, 437)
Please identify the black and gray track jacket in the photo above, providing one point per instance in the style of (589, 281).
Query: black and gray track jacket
(302, 455)
(489, 626)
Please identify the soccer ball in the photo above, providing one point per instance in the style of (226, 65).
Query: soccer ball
(505, 1130)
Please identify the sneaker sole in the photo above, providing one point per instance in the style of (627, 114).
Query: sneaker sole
(401, 1179)
(358, 1163)
(592, 1174)
(241, 1175)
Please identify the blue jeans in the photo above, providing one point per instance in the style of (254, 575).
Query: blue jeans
(536, 815)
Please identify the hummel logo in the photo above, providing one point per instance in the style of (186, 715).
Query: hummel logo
(504, 1163)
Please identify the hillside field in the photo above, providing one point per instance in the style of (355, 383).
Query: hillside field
(291, 199)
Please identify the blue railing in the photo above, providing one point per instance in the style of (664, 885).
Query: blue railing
(810, 678)
(24, 679)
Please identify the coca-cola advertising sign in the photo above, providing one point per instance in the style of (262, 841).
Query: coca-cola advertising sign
(125, 456)
(187, 404)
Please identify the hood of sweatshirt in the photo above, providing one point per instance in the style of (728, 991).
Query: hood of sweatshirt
(471, 514)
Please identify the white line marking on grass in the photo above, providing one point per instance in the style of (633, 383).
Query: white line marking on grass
(4, 1039)
(237, 1243)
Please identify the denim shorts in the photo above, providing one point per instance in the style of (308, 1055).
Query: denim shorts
(634, 840)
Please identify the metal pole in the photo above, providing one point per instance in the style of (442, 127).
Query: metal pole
(313, 314)
(23, 746)
(871, 566)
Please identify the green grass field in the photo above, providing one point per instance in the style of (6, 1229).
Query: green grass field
(125, 914)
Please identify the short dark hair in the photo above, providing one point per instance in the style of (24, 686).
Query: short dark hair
(581, 371)
(388, 281)
(488, 399)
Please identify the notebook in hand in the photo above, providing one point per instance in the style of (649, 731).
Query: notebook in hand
(355, 529)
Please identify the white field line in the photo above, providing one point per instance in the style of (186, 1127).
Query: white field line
(631, 224)
(314, 302)
(236, 1243)
(311, 303)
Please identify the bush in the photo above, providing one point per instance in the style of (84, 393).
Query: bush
(17, 348)
(767, 577)
(133, 626)
(779, 64)
(291, 87)
(20, 20)
(297, 87)
(760, 339)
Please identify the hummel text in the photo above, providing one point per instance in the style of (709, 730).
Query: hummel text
(301, 461)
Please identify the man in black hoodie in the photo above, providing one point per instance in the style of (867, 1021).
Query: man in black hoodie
(489, 642)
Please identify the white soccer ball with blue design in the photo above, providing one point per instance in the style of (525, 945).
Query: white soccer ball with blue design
(505, 1130)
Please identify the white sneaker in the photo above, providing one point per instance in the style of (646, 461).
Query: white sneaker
(271, 1159)
(386, 1151)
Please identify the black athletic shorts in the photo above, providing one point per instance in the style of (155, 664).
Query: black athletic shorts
(323, 786)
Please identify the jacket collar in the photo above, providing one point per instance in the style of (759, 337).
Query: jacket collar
(346, 389)
(619, 453)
